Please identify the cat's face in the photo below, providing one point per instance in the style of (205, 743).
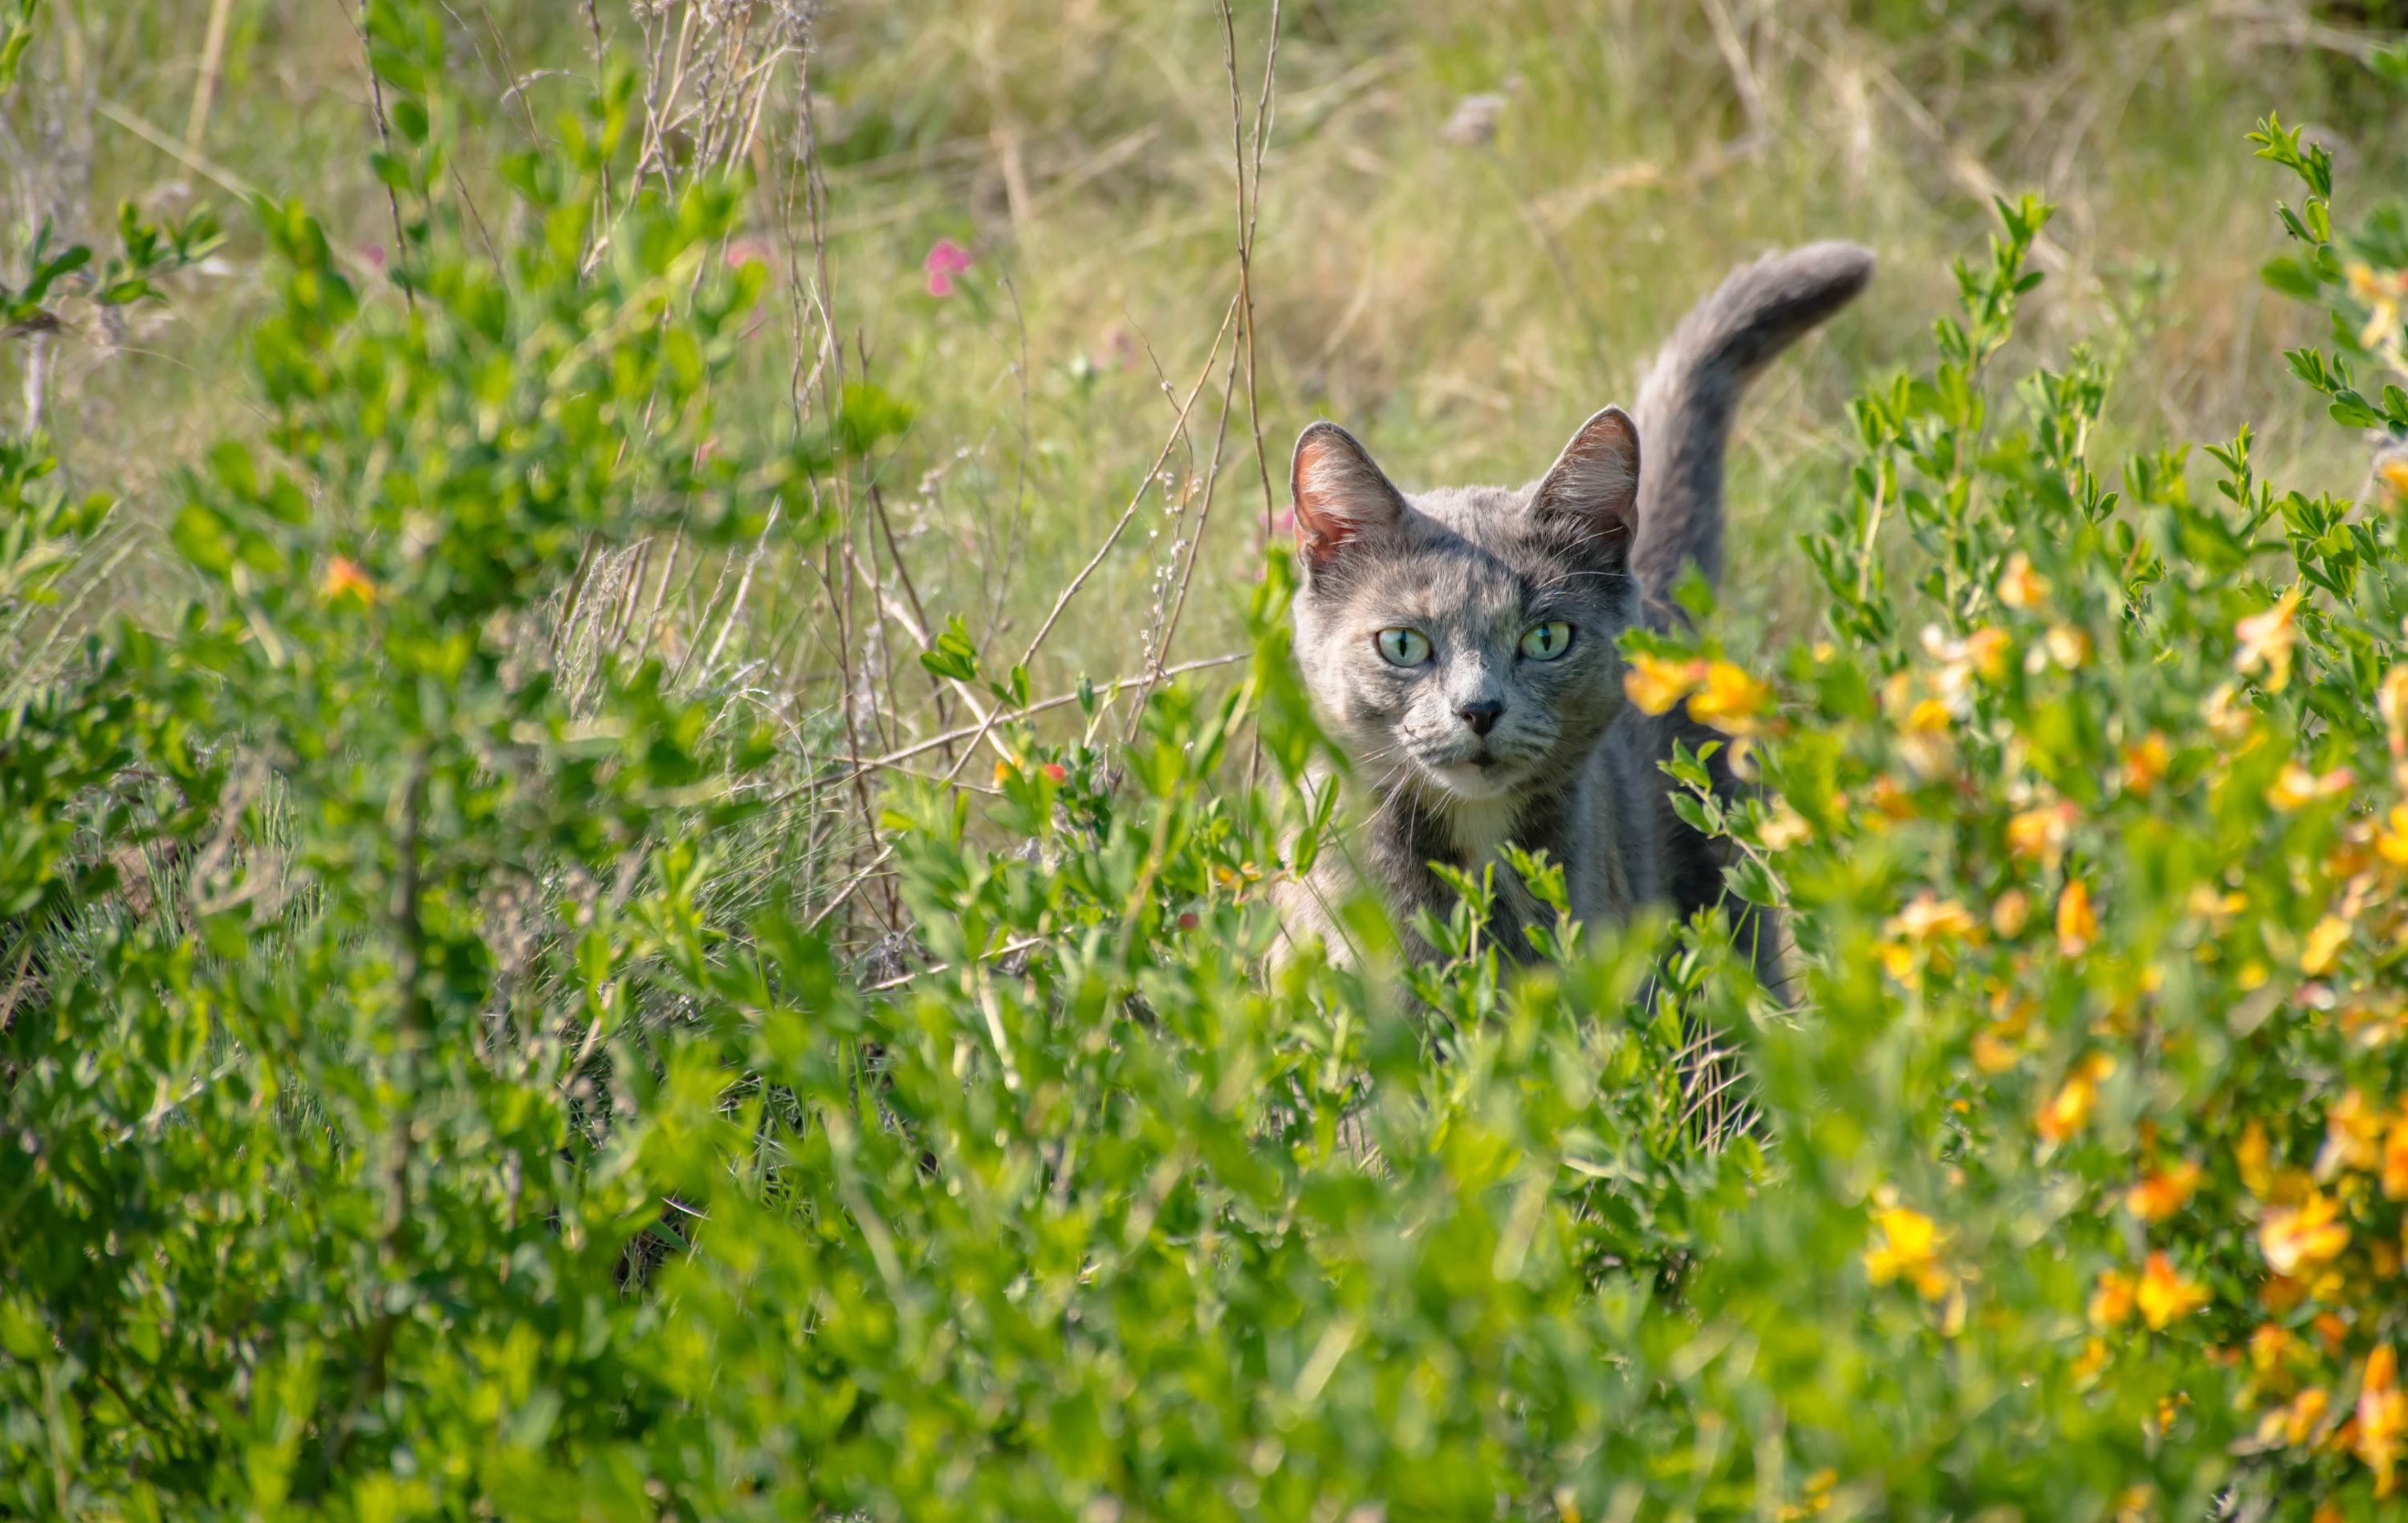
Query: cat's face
(1462, 642)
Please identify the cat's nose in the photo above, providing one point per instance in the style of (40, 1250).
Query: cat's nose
(1481, 716)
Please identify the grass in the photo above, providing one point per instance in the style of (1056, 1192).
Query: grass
(1458, 298)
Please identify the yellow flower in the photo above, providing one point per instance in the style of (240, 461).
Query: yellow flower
(2164, 1296)
(2304, 1235)
(1930, 918)
(2391, 702)
(1656, 684)
(2041, 832)
(2380, 294)
(2270, 1347)
(2068, 646)
(2382, 1417)
(2325, 942)
(2353, 1136)
(2161, 1192)
(2009, 912)
(345, 580)
(1909, 1249)
(2294, 1420)
(2395, 1157)
(2144, 764)
(1731, 701)
(2255, 1159)
(2019, 584)
(2267, 639)
(1783, 827)
(2077, 923)
(2226, 715)
(2296, 787)
(2068, 1111)
(2093, 1360)
(2392, 839)
(2111, 1303)
(2392, 471)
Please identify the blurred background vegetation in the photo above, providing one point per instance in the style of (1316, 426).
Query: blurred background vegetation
(1475, 219)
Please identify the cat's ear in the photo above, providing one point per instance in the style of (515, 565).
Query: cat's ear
(1339, 492)
(1593, 487)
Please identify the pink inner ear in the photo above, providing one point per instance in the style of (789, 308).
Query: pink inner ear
(1334, 486)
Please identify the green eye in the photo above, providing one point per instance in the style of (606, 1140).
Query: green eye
(1403, 648)
(1546, 642)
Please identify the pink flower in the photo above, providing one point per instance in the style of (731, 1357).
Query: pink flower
(946, 259)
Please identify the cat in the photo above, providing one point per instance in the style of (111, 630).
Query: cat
(1461, 644)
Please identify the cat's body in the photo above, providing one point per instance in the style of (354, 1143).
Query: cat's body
(1462, 643)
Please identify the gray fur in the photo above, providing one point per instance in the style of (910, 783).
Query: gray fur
(1566, 766)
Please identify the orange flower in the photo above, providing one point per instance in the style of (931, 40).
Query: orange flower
(2392, 839)
(2255, 1161)
(2165, 1295)
(2077, 923)
(2019, 584)
(2267, 639)
(2304, 1235)
(2295, 1419)
(2382, 1417)
(2009, 912)
(2161, 1192)
(2144, 764)
(345, 580)
(2395, 1158)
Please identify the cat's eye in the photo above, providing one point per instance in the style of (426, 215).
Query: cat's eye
(1403, 646)
(1546, 642)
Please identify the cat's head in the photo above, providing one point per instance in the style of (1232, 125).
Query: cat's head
(1462, 641)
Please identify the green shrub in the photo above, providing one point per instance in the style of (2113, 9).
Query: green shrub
(398, 1123)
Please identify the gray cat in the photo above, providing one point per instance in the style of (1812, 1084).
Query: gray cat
(1462, 643)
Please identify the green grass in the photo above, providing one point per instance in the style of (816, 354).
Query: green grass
(1459, 306)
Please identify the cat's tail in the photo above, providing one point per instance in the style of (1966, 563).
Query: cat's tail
(1686, 403)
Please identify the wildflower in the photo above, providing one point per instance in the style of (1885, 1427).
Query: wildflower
(2019, 584)
(2382, 295)
(1656, 684)
(2391, 702)
(1004, 773)
(1783, 827)
(2111, 1303)
(1731, 699)
(2391, 840)
(2296, 787)
(2093, 1360)
(2068, 1111)
(2068, 646)
(2255, 1159)
(2226, 715)
(2392, 471)
(2382, 1417)
(345, 580)
(2009, 913)
(2144, 764)
(2267, 639)
(1055, 772)
(1909, 1249)
(2353, 1136)
(2325, 942)
(2161, 1192)
(2270, 1347)
(2304, 1235)
(2295, 1419)
(2077, 923)
(1930, 918)
(2164, 1295)
(946, 259)
(2041, 832)
(2395, 1157)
